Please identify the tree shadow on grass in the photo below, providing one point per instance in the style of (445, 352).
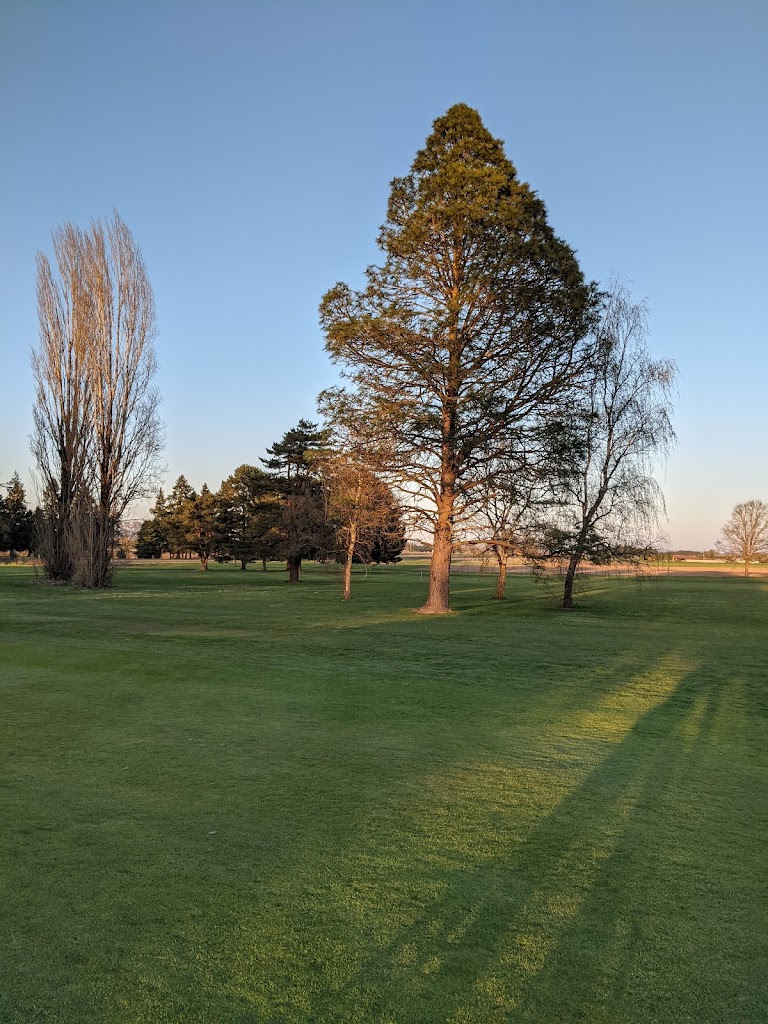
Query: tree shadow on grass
(593, 916)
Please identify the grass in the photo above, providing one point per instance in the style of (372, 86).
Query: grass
(229, 800)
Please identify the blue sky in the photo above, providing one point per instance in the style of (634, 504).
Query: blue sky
(249, 147)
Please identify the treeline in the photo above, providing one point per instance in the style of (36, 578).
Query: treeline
(310, 502)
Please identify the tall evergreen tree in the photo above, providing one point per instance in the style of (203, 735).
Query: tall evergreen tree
(172, 514)
(470, 328)
(20, 518)
(292, 463)
(5, 526)
(246, 514)
(201, 525)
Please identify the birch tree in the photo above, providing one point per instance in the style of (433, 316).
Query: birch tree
(618, 428)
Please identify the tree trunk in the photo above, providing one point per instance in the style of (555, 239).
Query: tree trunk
(440, 566)
(351, 541)
(501, 582)
(264, 564)
(204, 562)
(569, 578)
(243, 564)
(293, 565)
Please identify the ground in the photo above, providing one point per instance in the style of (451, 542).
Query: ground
(230, 800)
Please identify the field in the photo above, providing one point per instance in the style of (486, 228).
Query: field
(225, 799)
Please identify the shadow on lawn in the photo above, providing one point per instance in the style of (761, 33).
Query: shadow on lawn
(573, 923)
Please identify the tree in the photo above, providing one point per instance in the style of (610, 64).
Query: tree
(304, 529)
(19, 517)
(201, 525)
(172, 513)
(744, 537)
(503, 521)
(150, 540)
(247, 513)
(361, 508)
(62, 410)
(467, 332)
(363, 512)
(5, 526)
(618, 426)
(97, 436)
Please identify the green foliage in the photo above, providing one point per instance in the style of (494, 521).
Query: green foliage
(229, 800)
(249, 516)
(469, 331)
(171, 514)
(200, 522)
(151, 539)
(16, 520)
(303, 530)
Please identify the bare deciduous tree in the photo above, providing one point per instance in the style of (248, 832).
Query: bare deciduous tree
(618, 428)
(503, 519)
(97, 435)
(360, 505)
(745, 535)
(62, 414)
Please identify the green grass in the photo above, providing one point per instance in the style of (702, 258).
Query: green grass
(228, 800)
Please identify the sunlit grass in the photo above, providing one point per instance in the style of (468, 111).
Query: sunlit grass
(226, 799)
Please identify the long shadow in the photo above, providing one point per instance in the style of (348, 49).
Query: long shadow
(512, 939)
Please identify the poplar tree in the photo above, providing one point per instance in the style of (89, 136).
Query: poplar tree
(468, 331)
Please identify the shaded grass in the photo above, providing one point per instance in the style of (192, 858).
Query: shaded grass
(226, 799)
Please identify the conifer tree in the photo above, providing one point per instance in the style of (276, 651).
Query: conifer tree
(20, 518)
(304, 531)
(469, 330)
(246, 514)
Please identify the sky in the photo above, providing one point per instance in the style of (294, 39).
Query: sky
(249, 147)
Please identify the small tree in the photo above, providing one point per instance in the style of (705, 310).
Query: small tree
(744, 537)
(619, 425)
(361, 507)
(503, 519)
(363, 512)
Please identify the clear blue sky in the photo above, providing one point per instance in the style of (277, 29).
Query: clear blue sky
(249, 147)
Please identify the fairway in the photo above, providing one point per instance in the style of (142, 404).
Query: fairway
(226, 799)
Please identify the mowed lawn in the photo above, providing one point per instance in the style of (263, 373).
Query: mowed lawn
(225, 799)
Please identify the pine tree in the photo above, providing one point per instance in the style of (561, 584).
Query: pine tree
(470, 328)
(172, 514)
(247, 512)
(304, 529)
(20, 518)
(201, 525)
